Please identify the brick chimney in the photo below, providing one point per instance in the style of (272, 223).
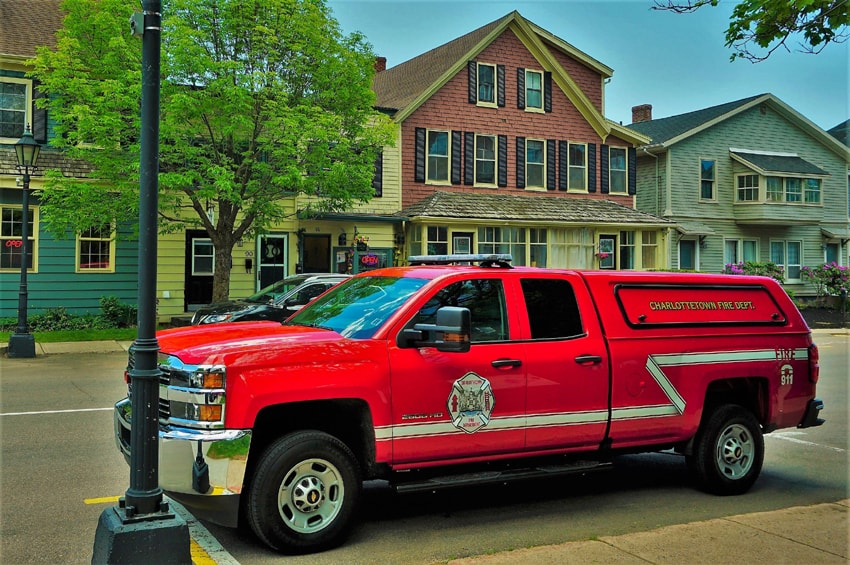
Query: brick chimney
(380, 64)
(642, 113)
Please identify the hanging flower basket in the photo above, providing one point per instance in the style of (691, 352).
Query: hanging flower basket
(361, 242)
(602, 255)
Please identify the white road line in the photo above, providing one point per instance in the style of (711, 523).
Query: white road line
(56, 411)
(787, 437)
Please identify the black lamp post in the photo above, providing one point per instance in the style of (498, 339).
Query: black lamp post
(22, 342)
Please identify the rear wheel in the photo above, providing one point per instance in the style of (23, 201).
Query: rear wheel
(304, 493)
(728, 451)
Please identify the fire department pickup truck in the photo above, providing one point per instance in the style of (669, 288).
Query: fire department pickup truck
(435, 376)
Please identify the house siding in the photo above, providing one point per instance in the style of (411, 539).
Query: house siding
(448, 109)
(759, 128)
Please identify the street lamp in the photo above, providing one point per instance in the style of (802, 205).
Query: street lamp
(22, 342)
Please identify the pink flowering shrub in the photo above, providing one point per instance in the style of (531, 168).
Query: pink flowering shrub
(765, 269)
(829, 279)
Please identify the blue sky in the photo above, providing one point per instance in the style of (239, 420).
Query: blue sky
(677, 63)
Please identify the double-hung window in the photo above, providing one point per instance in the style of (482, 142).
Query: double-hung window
(788, 255)
(203, 257)
(437, 240)
(577, 166)
(812, 191)
(96, 249)
(793, 190)
(485, 159)
(11, 244)
(486, 83)
(617, 169)
(438, 156)
(707, 179)
(748, 188)
(535, 163)
(14, 101)
(533, 90)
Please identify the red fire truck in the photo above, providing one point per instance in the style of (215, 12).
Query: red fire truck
(441, 375)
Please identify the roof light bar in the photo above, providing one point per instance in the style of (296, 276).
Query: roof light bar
(483, 259)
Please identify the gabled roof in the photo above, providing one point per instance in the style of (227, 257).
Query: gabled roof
(665, 132)
(839, 132)
(542, 208)
(27, 24)
(400, 90)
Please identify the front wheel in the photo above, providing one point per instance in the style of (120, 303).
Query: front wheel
(728, 451)
(304, 493)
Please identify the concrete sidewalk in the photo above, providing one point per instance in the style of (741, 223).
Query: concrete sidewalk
(807, 535)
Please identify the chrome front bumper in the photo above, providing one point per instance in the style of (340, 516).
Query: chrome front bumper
(202, 469)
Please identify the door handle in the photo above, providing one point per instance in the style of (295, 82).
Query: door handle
(589, 359)
(506, 363)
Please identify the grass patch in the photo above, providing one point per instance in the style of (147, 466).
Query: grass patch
(117, 334)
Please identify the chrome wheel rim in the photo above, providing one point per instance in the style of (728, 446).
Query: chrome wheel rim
(310, 496)
(735, 450)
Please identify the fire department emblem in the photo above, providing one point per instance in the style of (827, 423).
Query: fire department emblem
(471, 402)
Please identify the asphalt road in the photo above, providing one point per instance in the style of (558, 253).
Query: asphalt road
(59, 470)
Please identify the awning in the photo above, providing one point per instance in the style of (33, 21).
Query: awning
(766, 163)
(693, 228)
(835, 233)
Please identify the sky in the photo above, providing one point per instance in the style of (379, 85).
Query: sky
(678, 63)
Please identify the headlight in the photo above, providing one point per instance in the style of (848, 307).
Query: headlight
(192, 395)
(215, 318)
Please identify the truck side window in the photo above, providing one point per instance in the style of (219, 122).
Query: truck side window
(552, 308)
(485, 299)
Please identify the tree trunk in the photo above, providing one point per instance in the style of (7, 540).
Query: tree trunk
(221, 274)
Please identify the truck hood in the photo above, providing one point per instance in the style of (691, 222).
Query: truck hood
(214, 343)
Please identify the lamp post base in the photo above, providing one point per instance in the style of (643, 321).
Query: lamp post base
(21, 345)
(159, 538)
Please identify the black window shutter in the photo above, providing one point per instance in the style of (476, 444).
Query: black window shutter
(378, 178)
(547, 91)
(472, 71)
(603, 169)
(503, 160)
(520, 89)
(39, 116)
(520, 162)
(591, 167)
(562, 165)
(550, 164)
(468, 158)
(457, 155)
(419, 156)
(500, 85)
(632, 168)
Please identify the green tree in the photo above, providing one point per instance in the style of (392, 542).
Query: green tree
(759, 27)
(262, 102)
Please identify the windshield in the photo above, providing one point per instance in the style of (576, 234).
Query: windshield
(271, 292)
(357, 308)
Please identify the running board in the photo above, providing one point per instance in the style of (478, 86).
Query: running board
(498, 476)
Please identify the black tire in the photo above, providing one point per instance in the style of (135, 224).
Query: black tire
(728, 451)
(304, 493)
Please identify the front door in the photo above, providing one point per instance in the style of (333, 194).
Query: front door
(317, 253)
(461, 243)
(271, 258)
(607, 252)
(200, 263)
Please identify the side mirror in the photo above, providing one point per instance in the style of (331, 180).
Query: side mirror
(449, 334)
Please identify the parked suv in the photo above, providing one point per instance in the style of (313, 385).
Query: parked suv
(275, 302)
